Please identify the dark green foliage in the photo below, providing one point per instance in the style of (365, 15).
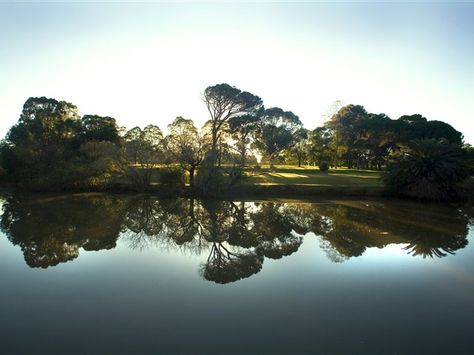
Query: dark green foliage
(210, 180)
(277, 132)
(43, 138)
(139, 154)
(418, 127)
(49, 146)
(319, 147)
(324, 166)
(428, 169)
(171, 180)
(98, 128)
(223, 103)
(243, 128)
(366, 141)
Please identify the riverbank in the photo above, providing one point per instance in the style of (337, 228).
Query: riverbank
(283, 181)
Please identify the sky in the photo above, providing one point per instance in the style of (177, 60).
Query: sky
(146, 63)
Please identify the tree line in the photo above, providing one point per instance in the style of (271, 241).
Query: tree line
(51, 146)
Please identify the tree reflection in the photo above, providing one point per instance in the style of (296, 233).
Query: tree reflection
(351, 227)
(233, 237)
(274, 230)
(51, 230)
(223, 266)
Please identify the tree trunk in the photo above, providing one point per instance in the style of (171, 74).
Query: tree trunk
(191, 177)
(243, 156)
(214, 152)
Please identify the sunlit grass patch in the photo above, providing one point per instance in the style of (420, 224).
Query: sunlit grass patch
(312, 176)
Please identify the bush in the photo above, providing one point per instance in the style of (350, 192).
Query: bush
(429, 169)
(324, 166)
(210, 180)
(171, 180)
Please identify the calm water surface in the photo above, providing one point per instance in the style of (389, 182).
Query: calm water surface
(135, 274)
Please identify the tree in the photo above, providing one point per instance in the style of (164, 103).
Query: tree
(99, 128)
(334, 125)
(277, 132)
(319, 149)
(376, 140)
(141, 151)
(428, 169)
(185, 145)
(416, 126)
(343, 124)
(442, 130)
(42, 143)
(242, 128)
(224, 102)
(300, 145)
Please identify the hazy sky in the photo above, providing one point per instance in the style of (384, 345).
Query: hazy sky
(148, 63)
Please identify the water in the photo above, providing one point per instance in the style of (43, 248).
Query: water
(135, 274)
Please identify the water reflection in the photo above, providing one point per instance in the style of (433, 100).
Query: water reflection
(234, 238)
(50, 231)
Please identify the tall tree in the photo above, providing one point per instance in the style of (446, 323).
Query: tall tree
(224, 102)
(319, 149)
(299, 148)
(242, 128)
(343, 123)
(42, 140)
(185, 145)
(141, 151)
(277, 132)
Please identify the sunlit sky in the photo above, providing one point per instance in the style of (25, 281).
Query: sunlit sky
(150, 62)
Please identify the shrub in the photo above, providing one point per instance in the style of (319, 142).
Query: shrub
(171, 180)
(324, 166)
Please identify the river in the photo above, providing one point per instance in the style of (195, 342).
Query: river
(99, 273)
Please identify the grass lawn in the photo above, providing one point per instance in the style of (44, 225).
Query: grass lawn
(311, 176)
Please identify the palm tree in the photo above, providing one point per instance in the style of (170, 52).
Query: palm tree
(428, 169)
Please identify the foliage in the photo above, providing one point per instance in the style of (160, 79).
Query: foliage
(210, 180)
(141, 151)
(429, 169)
(52, 147)
(185, 146)
(277, 132)
(323, 166)
(98, 128)
(223, 103)
(243, 130)
(171, 180)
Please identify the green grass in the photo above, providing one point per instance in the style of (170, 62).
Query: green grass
(311, 176)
